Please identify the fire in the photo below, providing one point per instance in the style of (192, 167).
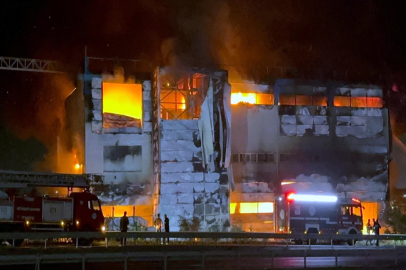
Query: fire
(358, 102)
(123, 99)
(141, 210)
(252, 98)
(243, 98)
(251, 208)
(183, 104)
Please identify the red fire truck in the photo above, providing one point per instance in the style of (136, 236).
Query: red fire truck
(320, 214)
(80, 211)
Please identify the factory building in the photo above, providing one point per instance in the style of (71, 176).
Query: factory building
(309, 137)
(196, 143)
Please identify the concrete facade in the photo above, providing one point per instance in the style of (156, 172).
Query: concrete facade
(341, 150)
(164, 167)
(122, 155)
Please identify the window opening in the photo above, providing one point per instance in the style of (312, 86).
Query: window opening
(96, 205)
(358, 102)
(182, 99)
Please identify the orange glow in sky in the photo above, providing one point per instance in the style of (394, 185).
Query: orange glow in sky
(123, 99)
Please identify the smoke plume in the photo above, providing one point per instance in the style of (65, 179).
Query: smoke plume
(214, 34)
(38, 111)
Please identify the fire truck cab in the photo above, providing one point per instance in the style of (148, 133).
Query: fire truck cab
(321, 214)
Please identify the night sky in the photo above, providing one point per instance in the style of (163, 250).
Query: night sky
(357, 37)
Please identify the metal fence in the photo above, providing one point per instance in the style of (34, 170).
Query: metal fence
(217, 237)
(256, 246)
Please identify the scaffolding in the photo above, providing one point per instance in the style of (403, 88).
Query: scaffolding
(33, 65)
(14, 179)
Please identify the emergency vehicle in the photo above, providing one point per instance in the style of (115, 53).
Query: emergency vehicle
(321, 214)
(79, 211)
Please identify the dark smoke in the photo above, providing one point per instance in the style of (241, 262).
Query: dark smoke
(18, 154)
(32, 106)
(204, 36)
(217, 34)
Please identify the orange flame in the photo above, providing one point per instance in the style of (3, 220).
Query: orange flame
(123, 99)
(243, 98)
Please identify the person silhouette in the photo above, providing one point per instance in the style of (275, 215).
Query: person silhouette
(124, 227)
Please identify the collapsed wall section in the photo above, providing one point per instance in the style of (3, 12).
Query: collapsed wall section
(186, 190)
(191, 148)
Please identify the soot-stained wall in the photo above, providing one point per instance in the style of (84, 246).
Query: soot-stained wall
(122, 155)
(122, 158)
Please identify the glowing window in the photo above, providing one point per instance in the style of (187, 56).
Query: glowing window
(173, 104)
(342, 101)
(181, 98)
(232, 207)
(120, 209)
(252, 98)
(107, 211)
(265, 207)
(265, 99)
(319, 101)
(243, 98)
(122, 105)
(252, 207)
(359, 102)
(303, 100)
(356, 210)
(374, 102)
(287, 100)
(248, 207)
(96, 205)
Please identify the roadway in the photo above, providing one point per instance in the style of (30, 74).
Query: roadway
(207, 257)
(199, 250)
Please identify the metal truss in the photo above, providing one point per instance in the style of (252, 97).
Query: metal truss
(12, 179)
(33, 65)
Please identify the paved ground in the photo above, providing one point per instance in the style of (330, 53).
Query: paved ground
(226, 263)
(191, 257)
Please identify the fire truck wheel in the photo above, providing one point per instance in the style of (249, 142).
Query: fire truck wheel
(349, 242)
(86, 241)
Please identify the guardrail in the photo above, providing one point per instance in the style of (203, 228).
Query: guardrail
(196, 235)
(137, 252)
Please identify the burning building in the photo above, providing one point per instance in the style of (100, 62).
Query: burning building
(306, 137)
(163, 145)
(187, 143)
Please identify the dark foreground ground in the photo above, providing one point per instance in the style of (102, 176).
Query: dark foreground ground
(206, 257)
(286, 263)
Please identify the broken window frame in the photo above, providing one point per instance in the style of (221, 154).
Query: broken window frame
(247, 208)
(188, 84)
(303, 100)
(258, 97)
(162, 103)
(253, 157)
(352, 102)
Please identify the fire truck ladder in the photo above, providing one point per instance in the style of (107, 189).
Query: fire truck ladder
(13, 179)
